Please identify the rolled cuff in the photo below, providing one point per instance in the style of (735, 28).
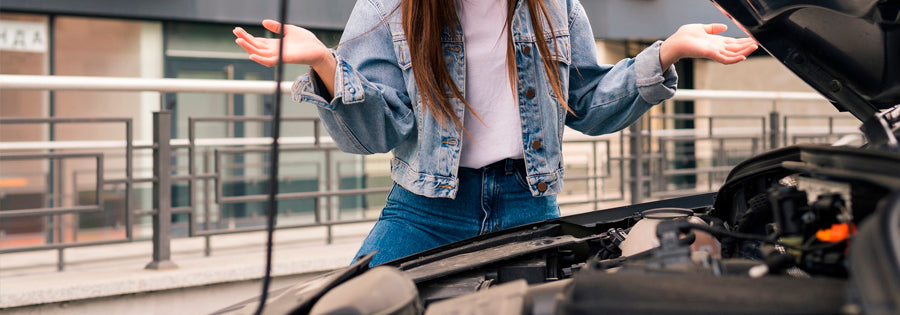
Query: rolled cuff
(654, 85)
(348, 87)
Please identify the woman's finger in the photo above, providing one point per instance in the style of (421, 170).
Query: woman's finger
(241, 33)
(722, 53)
(729, 54)
(251, 49)
(272, 26)
(261, 42)
(740, 41)
(265, 61)
(714, 28)
(739, 47)
(728, 59)
(747, 50)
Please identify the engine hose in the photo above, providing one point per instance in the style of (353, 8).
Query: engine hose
(754, 220)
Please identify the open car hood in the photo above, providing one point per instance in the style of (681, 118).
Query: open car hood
(845, 49)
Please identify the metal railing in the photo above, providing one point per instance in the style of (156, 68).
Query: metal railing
(629, 166)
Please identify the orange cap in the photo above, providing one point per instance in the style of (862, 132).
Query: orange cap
(837, 233)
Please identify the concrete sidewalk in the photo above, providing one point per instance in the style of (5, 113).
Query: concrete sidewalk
(30, 279)
(111, 279)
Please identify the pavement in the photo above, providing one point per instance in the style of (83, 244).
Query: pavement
(31, 278)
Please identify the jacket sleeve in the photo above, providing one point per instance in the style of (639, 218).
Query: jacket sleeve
(371, 110)
(608, 98)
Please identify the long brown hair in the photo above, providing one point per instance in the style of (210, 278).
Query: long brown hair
(423, 23)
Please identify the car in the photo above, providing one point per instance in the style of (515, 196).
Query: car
(804, 229)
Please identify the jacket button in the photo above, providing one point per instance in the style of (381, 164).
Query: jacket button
(536, 144)
(542, 187)
(529, 94)
(527, 50)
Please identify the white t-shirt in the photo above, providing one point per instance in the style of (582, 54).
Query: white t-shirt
(499, 133)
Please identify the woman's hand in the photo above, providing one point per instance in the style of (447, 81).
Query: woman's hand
(699, 41)
(300, 47)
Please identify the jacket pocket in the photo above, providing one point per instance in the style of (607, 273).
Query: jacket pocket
(561, 53)
(559, 44)
(401, 49)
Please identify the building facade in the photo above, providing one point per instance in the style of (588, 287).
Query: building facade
(193, 39)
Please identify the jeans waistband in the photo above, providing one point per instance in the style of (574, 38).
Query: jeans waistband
(507, 165)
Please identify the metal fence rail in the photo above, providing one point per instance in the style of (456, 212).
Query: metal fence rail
(629, 166)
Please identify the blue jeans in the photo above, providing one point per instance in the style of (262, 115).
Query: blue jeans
(491, 198)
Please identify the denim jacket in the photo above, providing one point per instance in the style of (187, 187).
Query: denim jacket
(376, 107)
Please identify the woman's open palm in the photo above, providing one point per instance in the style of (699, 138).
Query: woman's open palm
(300, 45)
(700, 41)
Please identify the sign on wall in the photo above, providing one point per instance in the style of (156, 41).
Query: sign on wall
(23, 36)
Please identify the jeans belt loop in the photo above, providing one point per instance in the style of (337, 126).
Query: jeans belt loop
(511, 165)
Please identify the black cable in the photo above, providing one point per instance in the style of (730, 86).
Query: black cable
(755, 237)
(273, 167)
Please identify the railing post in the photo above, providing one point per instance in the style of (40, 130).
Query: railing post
(636, 147)
(207, 208)
(129, 180)
(329, 206)
(660, 178)
(774, 129)
(162, 190)
(595, 174)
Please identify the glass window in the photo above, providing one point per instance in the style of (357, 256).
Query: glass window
(24, 50)
(16, 58)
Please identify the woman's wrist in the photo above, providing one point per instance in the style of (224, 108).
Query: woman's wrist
(325, 62)
(325, 68)
(668, 55)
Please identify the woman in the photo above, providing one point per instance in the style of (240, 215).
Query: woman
(471, 96)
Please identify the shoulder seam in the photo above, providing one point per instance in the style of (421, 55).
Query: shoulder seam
(383, 13)
(573, 11)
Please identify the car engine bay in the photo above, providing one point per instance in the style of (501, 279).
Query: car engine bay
(784, 235)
